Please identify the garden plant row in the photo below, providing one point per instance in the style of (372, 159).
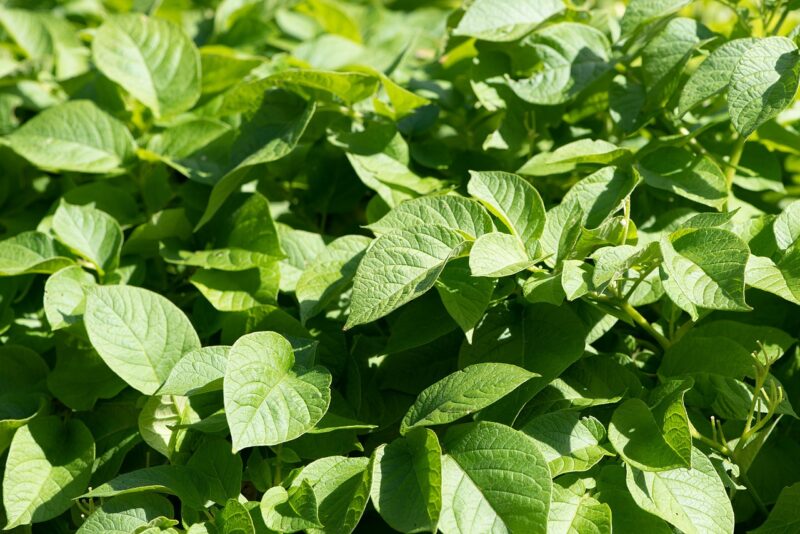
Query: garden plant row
(526, 266)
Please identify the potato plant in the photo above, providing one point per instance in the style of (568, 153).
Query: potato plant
(325, 266)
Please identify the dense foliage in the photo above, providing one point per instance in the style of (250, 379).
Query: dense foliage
(512, 266)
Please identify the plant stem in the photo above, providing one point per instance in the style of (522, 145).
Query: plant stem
(641, 321)
(733, 162)
(710, 442)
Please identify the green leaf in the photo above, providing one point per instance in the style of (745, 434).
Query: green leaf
(125, 514)
(290, 511)
(162, 423)
(494, 479)
(80, 376)
(462, 393)
(407, 481)
(234, 518)
(341, 486)
(74, 136)
(150, 58)
(568, 157)
(179, 480)
(221, 469)
(704, 268)
(49, 464)
(641, 12)
(512, 200)
(565, 59)
(782, 279)
(493, 20)
(399, 267)
(329, 274)
(451, 211)
(666, 54)
(784, 516)
(683, 173)
(238, 291)
(496, 254)
(626, 515)
(465, 297)
(268, 398)
(92, 233)
(674, 496)
(652, 440)
(65, 296)
(568, 443)
(139, 334)
(269, 133)
(198, 371)
(787, 226)
(30, 252)
(714, 74)
(573, 513)
(763, 83)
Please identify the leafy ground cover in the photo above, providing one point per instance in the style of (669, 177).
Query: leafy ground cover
(325, 266)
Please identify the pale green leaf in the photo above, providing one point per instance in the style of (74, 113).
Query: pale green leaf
(234, 518)
(763, 83)
(693, 500)
(714, 74)
(496, 254)
(30, 252)
(495, 20)
(292, 510)
(91, 233)
(462, 393)
(494, 480)
(571, 513)
(162, 423)
(139, 334)
(268, 398)
(704, 268)
(65, 296)
(49, 464)
(568, 157)
(125, 514)
(198, 371)
(464, 296)
(686, 174)
(451, 211)
(512, 200)
(329, 274)
(152, 59)
(74, 136)
(399, 267)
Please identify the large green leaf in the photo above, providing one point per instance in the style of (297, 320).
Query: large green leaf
(341, 486)
(785, 516)
(568, 157)
(150, 58)
(494, 479)
(269, 399)
(125, 514)
(30, 252)
(329, 274)
(198, 371)
(704, 268)
(692, 499)
(407, 481)
(462, 393)
(139, 334)
(569, 443)
(683, 173)
(572, 511)
(512, 200)
(494, 20)
(74, 136)
(65, 296)
(464, 296)
(49, 464)
(497, 254)
(91, 233)
(714, 73)
(451, 211)
(398, 267)
(763, 83)
(290, 511)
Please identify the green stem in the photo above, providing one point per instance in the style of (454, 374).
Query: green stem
(753, 493)
(733, 162)
(277, 478)
(641, 321)
(710, 442)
